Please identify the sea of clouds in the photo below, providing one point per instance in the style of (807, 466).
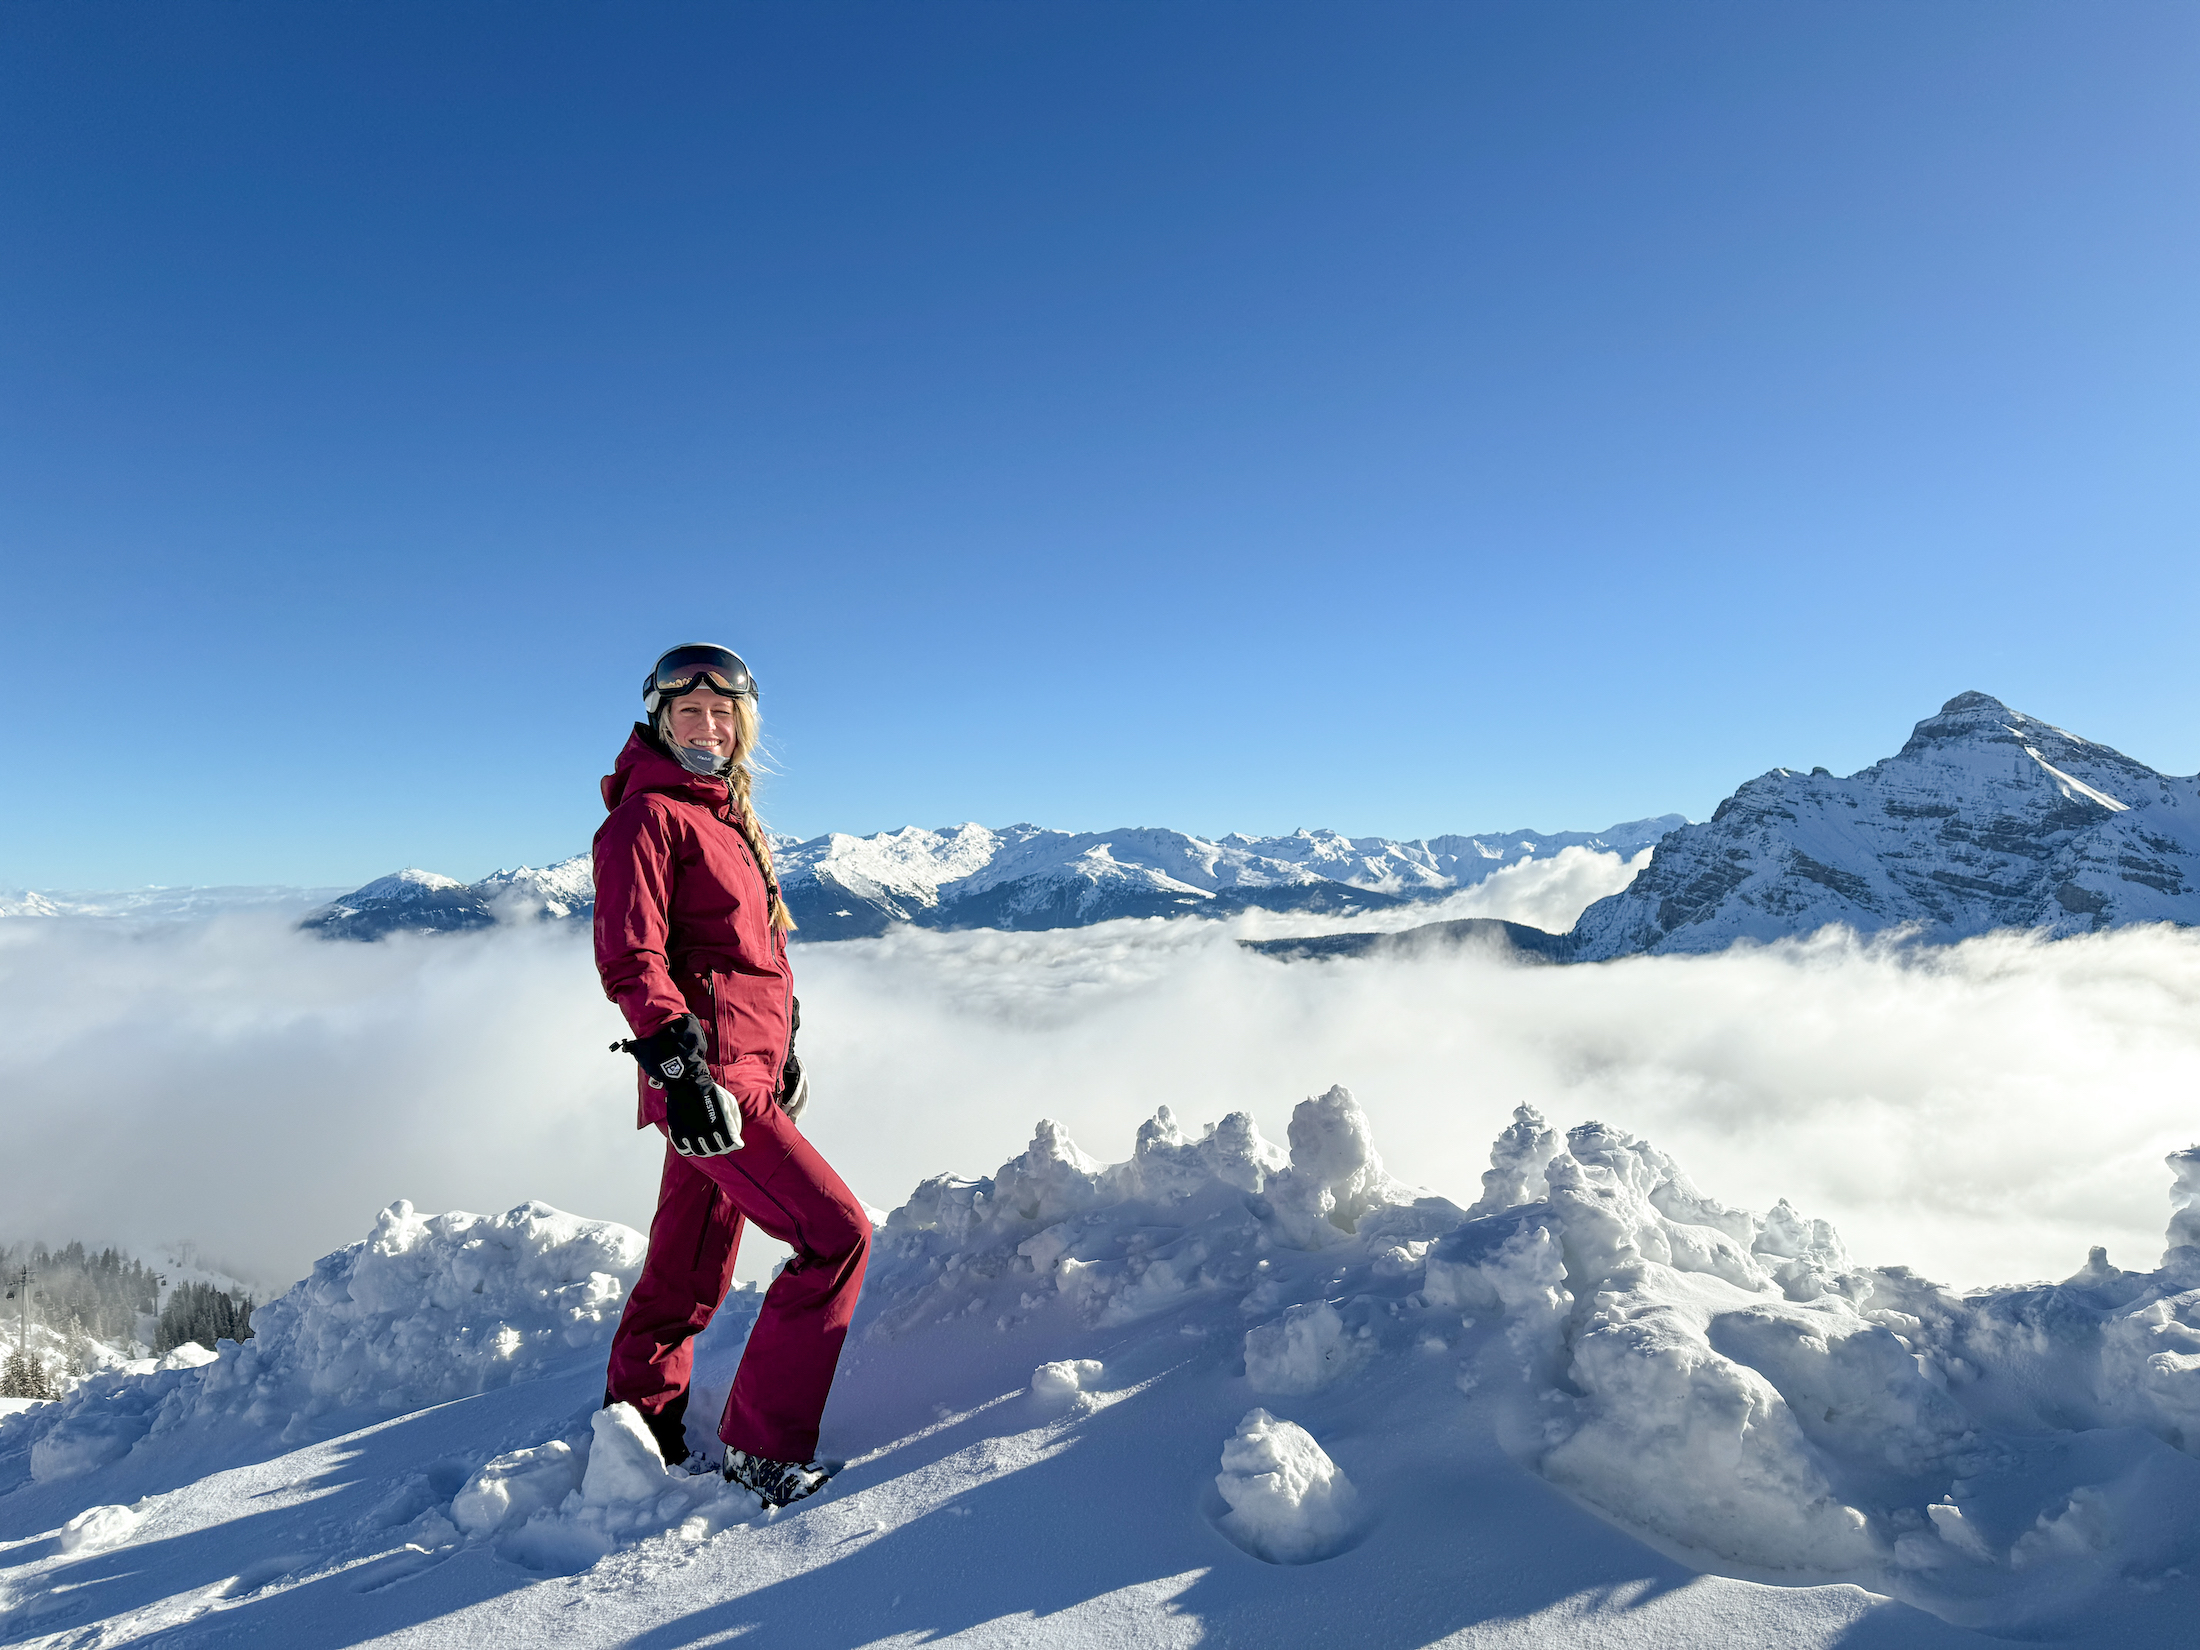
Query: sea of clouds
(1983, 1113)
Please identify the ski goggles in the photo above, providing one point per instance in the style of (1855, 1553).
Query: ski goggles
(698, 665)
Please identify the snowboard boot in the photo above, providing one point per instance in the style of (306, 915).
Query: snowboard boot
(775, 1483)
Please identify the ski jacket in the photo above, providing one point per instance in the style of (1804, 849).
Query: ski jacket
(683, 922)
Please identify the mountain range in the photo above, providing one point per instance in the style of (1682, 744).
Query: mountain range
(1987, 818)
(1016, 876)
(161, 905)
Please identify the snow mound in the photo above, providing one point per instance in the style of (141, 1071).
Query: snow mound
(1302, 1351)
(1064, 1378)
(562, 1505)
(1056, 1243)
(96, 1528)
(424, 1310)
(430, 1308)
(1288, 1502)
(623, 1463)
(1728, 1385)
(1055, 1215)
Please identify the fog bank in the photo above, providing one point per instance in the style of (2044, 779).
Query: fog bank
(1982, 1113)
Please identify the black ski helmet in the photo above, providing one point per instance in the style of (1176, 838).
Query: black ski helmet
(697, 664)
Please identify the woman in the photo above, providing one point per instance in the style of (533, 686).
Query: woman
(691, 941)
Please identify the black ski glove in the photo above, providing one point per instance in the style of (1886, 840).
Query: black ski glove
(700, 1116)
(794, 1086)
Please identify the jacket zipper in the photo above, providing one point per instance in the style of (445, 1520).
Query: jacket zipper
(716, 1053)
(779, 944)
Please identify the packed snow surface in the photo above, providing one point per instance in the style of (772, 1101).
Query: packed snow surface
(1222, 1390)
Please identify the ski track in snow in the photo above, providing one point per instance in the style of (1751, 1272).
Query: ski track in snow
(1215, 1394)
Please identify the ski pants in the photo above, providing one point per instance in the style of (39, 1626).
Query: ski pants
(778, 1181)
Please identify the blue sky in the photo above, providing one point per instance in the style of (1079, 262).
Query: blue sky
(1403, 418)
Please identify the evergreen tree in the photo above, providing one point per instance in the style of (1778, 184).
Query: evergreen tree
(77, 1357)
(25, 1377)
(200, 1312)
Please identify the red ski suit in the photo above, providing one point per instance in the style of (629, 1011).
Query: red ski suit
(683, 926)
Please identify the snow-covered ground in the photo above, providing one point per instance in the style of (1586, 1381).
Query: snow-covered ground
(1222, 1391)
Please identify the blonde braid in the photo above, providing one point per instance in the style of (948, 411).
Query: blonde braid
(752, 832)
(740, 779)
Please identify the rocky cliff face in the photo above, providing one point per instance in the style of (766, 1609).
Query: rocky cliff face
(1986, 819)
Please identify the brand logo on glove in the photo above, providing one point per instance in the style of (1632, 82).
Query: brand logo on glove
(673, 1067)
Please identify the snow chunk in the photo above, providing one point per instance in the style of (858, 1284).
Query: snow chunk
(623, 1462)
(1303, 1351)
(1289, 1503)
(1052, 1179)
(1700, 1449)
(1517, 1161)
(2184, 1208)
(1165, 1164)
(512, 1488)
(1067, 1378)
(1335, 1175)
(98, 1527)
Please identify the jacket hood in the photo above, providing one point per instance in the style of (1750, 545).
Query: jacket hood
(645, 765)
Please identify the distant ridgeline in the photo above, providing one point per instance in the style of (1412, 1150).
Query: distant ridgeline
(1021, 876)
(1986, 819)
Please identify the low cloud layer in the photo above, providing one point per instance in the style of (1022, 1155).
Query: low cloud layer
(1983, 1113)
(1548, 893)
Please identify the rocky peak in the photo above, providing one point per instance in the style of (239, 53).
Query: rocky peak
(1987, 818)
(1975, 701)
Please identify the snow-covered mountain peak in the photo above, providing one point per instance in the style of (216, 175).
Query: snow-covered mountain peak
(1986, 818)
(561, 890)
(1979, 724)
(409, 883)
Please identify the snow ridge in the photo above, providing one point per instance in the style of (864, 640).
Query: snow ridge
(425, 1309)
(1727, 1384)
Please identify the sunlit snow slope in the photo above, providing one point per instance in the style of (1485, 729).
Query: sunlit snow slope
(1220, 1392)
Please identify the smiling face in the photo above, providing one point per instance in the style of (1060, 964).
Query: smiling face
(706, 721)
